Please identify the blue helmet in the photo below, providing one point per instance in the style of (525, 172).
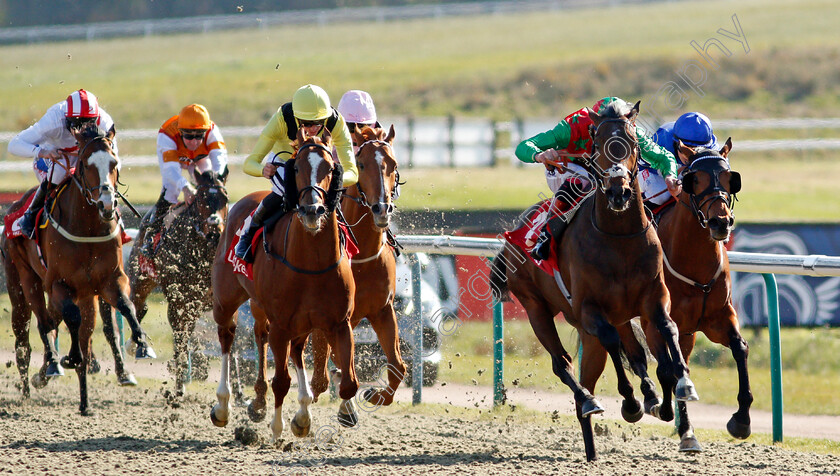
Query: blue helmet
(695, 130)
(664, 136)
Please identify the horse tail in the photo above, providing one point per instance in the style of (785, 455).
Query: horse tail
(639, 334)
(498, 278)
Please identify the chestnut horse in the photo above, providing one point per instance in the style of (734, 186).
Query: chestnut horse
(82, 259)
(367, 207)
(692, 234)
(302, 282)
(182, 265)
(611, 263)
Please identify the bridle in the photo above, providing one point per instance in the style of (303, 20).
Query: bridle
(81, 181)
(314, 187)
(362, 199)
(619, 170)
(712, 163)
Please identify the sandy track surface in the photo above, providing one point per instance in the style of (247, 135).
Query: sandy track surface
(146, 431)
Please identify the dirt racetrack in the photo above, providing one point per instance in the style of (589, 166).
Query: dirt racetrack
(144, 430)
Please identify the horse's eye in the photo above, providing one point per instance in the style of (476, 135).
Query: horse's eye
(361, 166)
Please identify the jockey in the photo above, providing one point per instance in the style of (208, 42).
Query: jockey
(356, 107)
(52, 145)
(694, 130)
(572, 136)
(187, 141)
(309, 109)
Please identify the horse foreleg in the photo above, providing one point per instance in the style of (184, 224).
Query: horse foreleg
(385, 326)
(341, 339)
(320, 355)
(302, 420)
(655, 312)
(542, 322)
(109, 324)
(256, 409)
(607, 335)
(220, 413)
(117, 296)
(85, 337)
(280, 383)
(724, 329)
(637, 357)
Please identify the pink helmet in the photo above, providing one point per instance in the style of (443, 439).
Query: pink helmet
(82, 104)
(357, 107)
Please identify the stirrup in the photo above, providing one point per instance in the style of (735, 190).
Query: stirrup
(28, 224)
(542, 251)
(243, 247)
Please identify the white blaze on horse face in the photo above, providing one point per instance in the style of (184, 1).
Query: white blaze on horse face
(314, 161)
(102, 161)
(378, 158)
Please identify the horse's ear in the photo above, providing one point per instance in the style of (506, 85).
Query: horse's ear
(391, 134)
(726, 148)
(631, 116)
(224, 175)
(301, 136)
(111, 133)
(327, 136)
(684, 152)
(594, 116)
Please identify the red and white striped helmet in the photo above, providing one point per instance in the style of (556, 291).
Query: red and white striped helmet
(82, 104)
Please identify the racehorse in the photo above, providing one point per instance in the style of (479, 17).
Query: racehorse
(82, 259)
(367, 207)
(692, 234)
(181, 265)
(610, 262)
(301, 281)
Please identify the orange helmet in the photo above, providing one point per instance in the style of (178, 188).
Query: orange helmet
(194, 116)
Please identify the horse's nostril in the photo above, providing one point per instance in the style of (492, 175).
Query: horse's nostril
(375, 208)
(321, 210)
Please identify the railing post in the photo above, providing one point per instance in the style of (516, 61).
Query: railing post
(417, 348)
(450, 139)
(499, 396)
(775, 354)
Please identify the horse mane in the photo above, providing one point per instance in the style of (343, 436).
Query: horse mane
(616, 108)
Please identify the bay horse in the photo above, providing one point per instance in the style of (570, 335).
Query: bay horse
(182, 265)
(82, 259)
(302, 281)
(692, 234)
(368, 207)
(610, 261)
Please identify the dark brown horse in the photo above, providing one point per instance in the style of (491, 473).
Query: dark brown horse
(182, 266)
(368, 207)
(82, 252)
(302, 282)
(610, 262)
(697, 274)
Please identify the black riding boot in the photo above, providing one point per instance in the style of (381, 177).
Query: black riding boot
(553, 230)
(27, 223)
(161, 208)
(267, 207)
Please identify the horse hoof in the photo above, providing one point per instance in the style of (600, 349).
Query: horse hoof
(53, 370)
(127, 381)
(38, 381)
(374, 397)
(738, 430)
(591, 407)
(630, 415)
(651, 404)
(299, 431)
(94, 367)
(145, 352)
(216, 421)
(690, 444)
(69, 363)
(256, 414)
(662, 412)
(685, 391)
(348, 420)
